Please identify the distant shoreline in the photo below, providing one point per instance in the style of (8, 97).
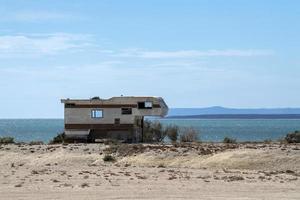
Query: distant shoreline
(237, 116)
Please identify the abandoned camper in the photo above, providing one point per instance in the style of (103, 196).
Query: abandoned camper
(118, 117)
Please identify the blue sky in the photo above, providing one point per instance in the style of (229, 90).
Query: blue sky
(193, 53)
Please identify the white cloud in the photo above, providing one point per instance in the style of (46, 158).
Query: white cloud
(26, 45)
(194, 53)
(42, 44)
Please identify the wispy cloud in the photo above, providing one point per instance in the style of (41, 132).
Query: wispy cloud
(25, 45)
(43, 44)
(194, 53)
(37, 16)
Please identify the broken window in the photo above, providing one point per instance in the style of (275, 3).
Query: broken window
(117, 120)
(145, 105)
(97, 113)
(148, 104)
(69, 105)
(126, 111)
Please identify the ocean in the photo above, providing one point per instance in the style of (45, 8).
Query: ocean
(210, 129)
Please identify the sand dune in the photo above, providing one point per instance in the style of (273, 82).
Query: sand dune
(205, 171)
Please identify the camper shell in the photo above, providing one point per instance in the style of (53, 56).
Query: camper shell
(118, 118)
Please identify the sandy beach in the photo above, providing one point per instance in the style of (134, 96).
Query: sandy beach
(190, 171)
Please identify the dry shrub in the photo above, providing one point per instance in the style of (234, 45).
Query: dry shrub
(125, 149)
(113, 148)
(158, 132)
(111, 141)
(293, 137)
(161, 165)
(36, 143)
(109, 158)
(153, 131)
(172, 132)
(58, 139)
(6, 140)
(267, 141)
(189, 135)
(83, 185)
(130, 149)
(229, 140)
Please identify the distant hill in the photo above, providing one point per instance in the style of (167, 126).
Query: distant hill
(217, 110)
(234, 116)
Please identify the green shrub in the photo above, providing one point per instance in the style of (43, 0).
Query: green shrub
(229, 140)
(58, 139)
(6, 140)
(293, 137)
(172, 132)
(189, 135)
(109, 158)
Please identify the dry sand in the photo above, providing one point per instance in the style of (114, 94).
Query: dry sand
(198, 171)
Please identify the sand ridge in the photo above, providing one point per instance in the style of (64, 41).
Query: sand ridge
(194, 171)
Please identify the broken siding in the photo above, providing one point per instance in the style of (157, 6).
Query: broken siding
(78, 116)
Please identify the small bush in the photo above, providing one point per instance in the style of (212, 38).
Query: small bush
(153, 131)
(83, 185)
(268, 141)
(172, 132)
(282, 141)
(60, 138)
(112, 148)
(229, 140)
(161, 165)
(6, 140)
(158, 132)
(293, 137)
(189, 135)
(109, 158)
(148, 136)
(111, 142)
(36, 143)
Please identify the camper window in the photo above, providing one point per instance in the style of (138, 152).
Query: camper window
(69, 105)
(96, 113)
(145, 105)
(148, 104)
(126, 111)
(117, 120)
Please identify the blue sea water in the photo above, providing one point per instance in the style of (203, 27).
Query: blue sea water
(210, 129)
(31, 129)
(215, 130)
